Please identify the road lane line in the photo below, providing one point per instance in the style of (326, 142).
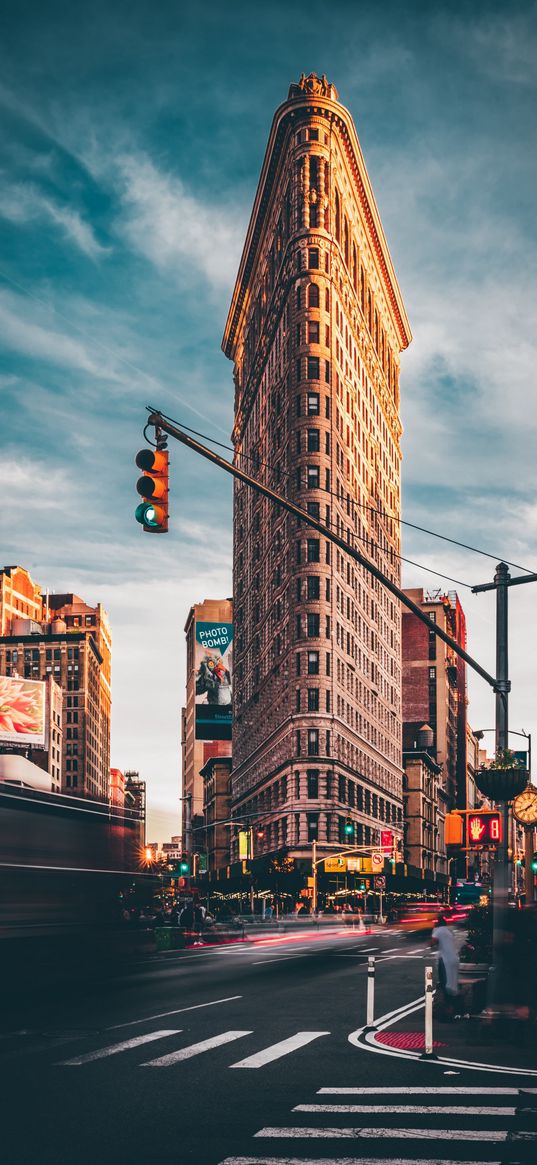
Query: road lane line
(347, 1161)
(416, 1090)
(283, 1048)
(178, 1011)
(386, 1134)
(195, 1049)
(279, 959)
(424, 1109)
(350, 1161)
(113, 1049)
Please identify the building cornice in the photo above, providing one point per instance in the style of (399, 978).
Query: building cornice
(284, 118)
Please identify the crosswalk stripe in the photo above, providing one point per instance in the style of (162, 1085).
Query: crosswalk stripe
(387, 1134)
(274, 1051)
(195, 1049)
(449, 1110)
(419, 1091)
(113, 1049)
(345, 1161)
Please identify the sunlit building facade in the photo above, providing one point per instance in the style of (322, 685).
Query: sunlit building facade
(315, 331)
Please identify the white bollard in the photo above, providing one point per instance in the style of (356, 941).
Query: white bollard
(370, 1010)
(429, 992)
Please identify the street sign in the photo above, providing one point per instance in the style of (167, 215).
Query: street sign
(377, 863)
(336, 865)
(380, 882)
(354, 865)
(386, 838)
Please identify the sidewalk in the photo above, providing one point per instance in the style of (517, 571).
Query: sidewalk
(507, 1046)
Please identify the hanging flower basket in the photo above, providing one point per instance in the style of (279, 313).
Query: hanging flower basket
(503, 778)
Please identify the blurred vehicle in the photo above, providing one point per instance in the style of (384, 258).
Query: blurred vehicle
(73, 881)
(417, 916)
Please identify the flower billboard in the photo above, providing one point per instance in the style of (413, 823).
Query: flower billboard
(213, 680)
(22, 711)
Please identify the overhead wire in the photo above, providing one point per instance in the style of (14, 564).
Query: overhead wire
(370, 509)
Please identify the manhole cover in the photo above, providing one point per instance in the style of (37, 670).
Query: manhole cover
(414, 1040)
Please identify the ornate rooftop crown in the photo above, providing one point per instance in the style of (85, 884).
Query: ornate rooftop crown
(314, 86)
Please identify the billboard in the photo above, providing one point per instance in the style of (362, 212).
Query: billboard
(214, 670)
(22, 711)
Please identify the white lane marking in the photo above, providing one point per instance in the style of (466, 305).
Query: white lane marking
(366, 950)
(346, 1161)
(113, 1049)
(388, 950)
(195, 1049)
(416, 1090)
(448, 1110)
(178, 1011)
(387, 1134)
(278, 959)
(282, 1048)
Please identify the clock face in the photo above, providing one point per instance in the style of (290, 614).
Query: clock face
(525, 807)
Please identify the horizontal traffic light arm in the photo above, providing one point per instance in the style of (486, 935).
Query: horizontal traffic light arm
(161, 422)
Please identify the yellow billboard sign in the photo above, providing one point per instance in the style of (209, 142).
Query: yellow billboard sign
(335, 865)
(244, 844)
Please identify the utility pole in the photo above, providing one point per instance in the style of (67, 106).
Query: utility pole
(499, 986)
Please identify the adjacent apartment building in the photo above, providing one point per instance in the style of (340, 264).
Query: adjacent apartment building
(206, 719)
(315, 331)
(435, 688)
(61, 639)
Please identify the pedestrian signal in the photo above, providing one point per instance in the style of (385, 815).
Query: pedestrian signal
(152, 513)
(483, 828)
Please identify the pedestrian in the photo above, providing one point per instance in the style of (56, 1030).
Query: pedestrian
(448, 965)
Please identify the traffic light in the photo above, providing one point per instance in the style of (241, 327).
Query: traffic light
(534, 863)
(349, 828)
(152, 513)
(184, 865)
(260, 833)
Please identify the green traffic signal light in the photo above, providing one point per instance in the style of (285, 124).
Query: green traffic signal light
(349, 828)
(183, 867)
(534, 863)
(147, 514)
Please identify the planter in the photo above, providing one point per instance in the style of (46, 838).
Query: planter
(501, 784)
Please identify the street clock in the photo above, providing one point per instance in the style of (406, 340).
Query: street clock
(525, 806)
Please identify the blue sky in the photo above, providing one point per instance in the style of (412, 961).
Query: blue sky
(132, 137)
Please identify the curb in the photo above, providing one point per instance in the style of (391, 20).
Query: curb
(364, 1039)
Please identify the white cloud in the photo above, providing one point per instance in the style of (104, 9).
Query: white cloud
(24, 203)
(168, 225)
(32, 338)
(35, 485)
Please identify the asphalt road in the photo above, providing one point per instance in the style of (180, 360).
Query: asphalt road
(241, 1055)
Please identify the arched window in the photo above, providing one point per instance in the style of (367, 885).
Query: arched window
(313, 295)
(338, 218)
(327, 300)
(299, 297)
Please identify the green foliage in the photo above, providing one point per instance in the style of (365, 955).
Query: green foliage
(504, 758)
